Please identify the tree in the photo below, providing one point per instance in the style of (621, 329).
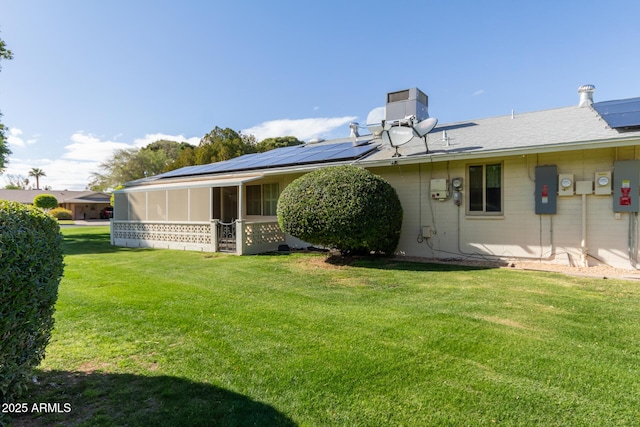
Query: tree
(223, 144)
(130, 164)
(342, 207)
(45, 201)
(277, 142)
(4, 148)
(37, 173)
(16, 182)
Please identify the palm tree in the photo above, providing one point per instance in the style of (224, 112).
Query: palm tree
(37, 173)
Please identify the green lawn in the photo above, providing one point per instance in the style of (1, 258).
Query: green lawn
(169, 338)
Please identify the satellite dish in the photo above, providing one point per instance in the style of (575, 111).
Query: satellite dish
(375, 119)
(424, 127)
(399, 135)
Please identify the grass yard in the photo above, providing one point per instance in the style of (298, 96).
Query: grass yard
(168, 338)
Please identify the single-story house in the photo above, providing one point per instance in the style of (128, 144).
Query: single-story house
(82, 204)
(559, 185)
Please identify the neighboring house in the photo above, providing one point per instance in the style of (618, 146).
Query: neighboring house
(82, 204)
(558, 185)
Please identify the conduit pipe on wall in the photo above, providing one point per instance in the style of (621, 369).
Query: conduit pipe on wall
(583, 242)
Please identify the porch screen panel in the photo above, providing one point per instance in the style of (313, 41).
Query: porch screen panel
(178, 202)
(157, 206)
(253, 199)
(121, 207)
(138, 206)
(200, 204)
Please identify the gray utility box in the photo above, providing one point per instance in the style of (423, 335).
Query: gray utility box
(409, 102)
(546, 190)
(626, 177)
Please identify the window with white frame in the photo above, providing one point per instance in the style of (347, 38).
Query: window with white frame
(485, 189)
(262, 199)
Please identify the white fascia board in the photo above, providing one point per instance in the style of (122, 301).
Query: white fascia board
(195, 183)
(538, 149)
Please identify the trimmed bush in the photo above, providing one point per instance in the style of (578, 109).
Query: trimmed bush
(31, 267)
(45, 201)
(342, 207)
(61, 213)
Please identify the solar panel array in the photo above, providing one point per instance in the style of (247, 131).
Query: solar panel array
(279, 157)
(620, 114)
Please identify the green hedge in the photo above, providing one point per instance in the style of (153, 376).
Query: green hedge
(61, 213)
(31, 267)
(342, 207)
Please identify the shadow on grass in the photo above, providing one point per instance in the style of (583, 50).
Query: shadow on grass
(106, 399)
(384, 263)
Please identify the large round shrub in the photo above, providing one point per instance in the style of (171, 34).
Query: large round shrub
(31, 267)
(45, 201)
(342, 207)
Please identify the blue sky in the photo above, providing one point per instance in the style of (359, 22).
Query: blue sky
(90, 77)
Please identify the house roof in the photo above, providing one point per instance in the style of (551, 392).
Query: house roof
(569, 128)
(27, 196)
(560, 129)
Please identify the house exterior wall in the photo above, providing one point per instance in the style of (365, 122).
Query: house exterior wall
(519, 232)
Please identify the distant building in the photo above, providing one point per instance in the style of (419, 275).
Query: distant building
(82, 204)
(559, 185)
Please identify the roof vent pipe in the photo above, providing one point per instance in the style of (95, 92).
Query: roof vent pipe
(586, 95)
(354, 130)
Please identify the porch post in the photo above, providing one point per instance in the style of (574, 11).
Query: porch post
(214, 234)
(239, 236)
(241, 201)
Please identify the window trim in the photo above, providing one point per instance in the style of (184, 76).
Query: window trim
(484, 212)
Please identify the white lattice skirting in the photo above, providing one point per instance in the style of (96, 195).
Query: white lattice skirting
(185, 236)
(256, 237)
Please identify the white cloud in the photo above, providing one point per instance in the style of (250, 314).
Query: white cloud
(72, 171)
(90, 148)
(303, 129)
(478, 92)
(15, 140)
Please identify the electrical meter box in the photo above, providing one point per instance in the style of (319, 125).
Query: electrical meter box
(439, 189)
(626, 178)
(603, 183)
(565, 184)
(547, 189)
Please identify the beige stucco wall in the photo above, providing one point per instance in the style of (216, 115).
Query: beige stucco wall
(519, 232)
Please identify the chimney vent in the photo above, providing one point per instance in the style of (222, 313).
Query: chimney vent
(586, 95)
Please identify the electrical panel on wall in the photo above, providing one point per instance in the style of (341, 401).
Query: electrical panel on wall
(626, 180)
(439, 189)
(546, 189)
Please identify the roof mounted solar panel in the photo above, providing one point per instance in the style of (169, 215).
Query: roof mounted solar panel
(620, 114)
(279, 157)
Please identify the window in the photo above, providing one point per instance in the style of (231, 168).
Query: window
(262, 199)
(485, 189)
(270, 193)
